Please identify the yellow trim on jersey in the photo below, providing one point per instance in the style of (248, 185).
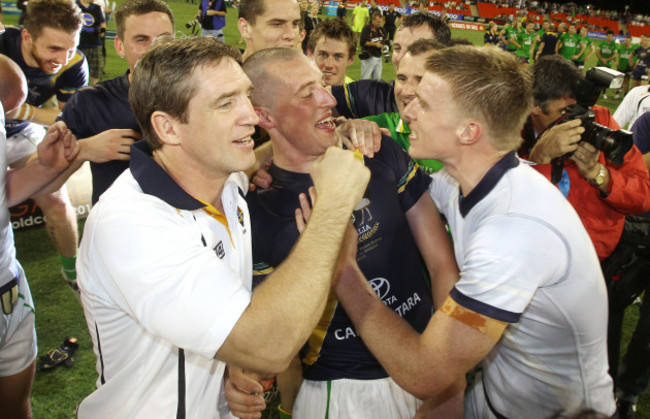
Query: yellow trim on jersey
(217, 215)
(318, 335)
(75, 59)
(266, 271)
(408, 179)
(490, 327)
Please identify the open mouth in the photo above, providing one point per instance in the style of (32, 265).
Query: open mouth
(326, 124)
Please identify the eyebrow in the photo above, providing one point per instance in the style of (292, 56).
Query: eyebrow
(423, 103)
(229, 94)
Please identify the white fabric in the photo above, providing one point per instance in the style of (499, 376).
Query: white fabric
(149, 286)
(17, 333)
(355, 399)
(629, 110)
(24, 143)
(522, 250)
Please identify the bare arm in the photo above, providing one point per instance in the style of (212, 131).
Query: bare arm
(434, 245)
(429, 365)
(55, 152)
(41, 116)
(285, 309)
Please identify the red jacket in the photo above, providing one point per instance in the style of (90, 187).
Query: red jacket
(628, 192)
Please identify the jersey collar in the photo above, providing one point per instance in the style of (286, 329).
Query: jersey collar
(489, 181)
(153, 179)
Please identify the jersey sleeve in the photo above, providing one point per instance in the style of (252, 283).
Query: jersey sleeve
(73, 77)
(364, 98)
(501, 271)
(412, 183)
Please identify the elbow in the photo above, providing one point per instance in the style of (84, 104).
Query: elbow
(273, 362)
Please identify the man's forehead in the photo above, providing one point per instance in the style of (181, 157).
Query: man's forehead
(412, 34)
(57, 37)
(284, 10)
(333, 44)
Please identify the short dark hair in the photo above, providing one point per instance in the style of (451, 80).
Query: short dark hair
(62, 15)
(439, 28)
(333, 29)
(164, 78)
(137, 8)
(422, 46)
(553, 78)
(251, 9)
(610, 32)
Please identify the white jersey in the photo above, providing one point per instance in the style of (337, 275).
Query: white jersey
(163, 281)
(526, 259)
(635, 103)
(8, 264)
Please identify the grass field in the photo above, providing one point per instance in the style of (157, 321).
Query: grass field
(57, 393)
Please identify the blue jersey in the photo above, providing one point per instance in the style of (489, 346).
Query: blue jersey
(387, 255)
(43, 86)
(365, 98)
(96, 109)
(93, 17)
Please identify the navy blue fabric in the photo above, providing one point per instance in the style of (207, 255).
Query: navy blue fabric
(43, 86)
(387, 253)
(153, 179)
(95, 109)
(489, 181)
(365, 98)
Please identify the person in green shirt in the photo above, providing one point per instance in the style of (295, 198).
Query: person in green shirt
(525, 42)
(360, 18)
(624, 65)
(567, 45)
(607, 53)
(510, 33)
(586, 48)
(409, 73)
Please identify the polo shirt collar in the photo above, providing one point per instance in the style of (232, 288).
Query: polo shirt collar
(489, 181)
(153, 179)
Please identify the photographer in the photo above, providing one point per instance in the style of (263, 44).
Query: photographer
(212, 16)
(600, 191)
(372, 41)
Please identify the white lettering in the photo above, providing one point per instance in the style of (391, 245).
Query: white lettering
(342, 334)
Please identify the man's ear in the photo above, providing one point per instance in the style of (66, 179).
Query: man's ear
(244, 27)
(26, 37)
(470, 132)
(119, 47)
(537, 110)
(166, 127)
(266, 119)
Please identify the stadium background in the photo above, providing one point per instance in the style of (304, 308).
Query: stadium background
(58, 313)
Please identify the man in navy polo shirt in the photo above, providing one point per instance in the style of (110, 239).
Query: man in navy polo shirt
(101, 116)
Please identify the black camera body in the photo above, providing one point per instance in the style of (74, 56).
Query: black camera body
(192, 23)
(614, 144)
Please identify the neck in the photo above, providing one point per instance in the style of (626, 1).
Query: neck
(287, 157)
(472, 167)
(198, 183)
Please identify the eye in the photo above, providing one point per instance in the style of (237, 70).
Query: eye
(225, 105)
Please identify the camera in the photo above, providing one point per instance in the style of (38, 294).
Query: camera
(614, 144)
(192, 23)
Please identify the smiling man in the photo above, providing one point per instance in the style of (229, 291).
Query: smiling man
(101, 116)
(165, 264)
(46, 51)
(395, 222)
(332, 47)
(268, 23)
(514, 308)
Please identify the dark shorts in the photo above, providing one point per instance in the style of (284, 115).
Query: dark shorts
(95, 61)
(638, 73)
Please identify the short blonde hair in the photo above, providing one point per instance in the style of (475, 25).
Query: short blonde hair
(489, 84)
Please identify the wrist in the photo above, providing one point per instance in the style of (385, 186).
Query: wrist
(25, 112)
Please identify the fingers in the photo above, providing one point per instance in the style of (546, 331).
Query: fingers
(262, 179)
(361, 134)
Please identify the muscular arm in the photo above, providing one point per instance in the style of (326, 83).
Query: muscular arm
(428, 365)
(434, 245)
(284, 310)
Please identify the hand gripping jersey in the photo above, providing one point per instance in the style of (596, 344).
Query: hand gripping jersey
(387, 256)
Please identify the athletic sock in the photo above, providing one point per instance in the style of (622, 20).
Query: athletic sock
(283, 414)
(68, 265)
